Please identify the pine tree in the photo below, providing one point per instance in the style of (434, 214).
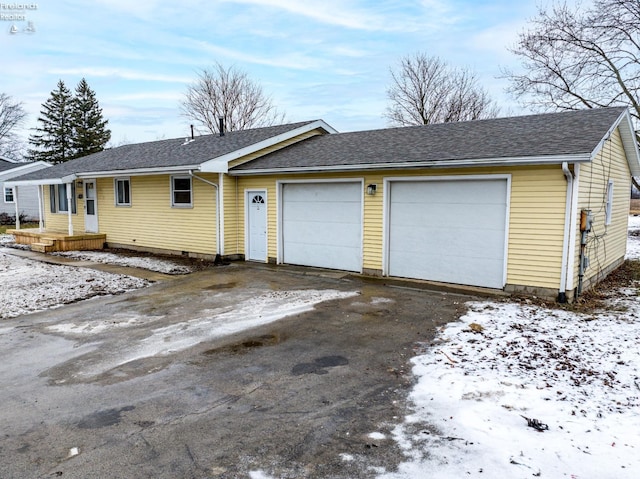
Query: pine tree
(90, 134)
(53, 137)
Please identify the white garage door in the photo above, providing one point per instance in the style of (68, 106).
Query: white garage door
(322, 225)
(451, 231)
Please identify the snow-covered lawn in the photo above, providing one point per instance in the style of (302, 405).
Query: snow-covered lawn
(144, 262)
(507, 366)
(27, 286)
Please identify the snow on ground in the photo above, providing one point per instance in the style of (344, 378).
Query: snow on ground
(147, 262)
(27, 286)
(505, 367)
(257, 310)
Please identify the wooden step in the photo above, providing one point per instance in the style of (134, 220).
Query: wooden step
(43, 247)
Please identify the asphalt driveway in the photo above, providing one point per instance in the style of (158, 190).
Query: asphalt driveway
(235, 371)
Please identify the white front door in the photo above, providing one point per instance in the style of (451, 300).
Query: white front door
(90, 207)
(257, 225)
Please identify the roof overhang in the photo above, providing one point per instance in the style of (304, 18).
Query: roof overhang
(466, 163)
(629, 142)
(221, 163)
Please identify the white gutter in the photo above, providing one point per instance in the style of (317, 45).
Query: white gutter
(562, 296)
(217, 208)
(571, 260)
(529, 160)
(138, 171)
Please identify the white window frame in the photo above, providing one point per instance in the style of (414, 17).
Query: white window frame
(609, 204)
(116, 191)
(54, 194)
(9, 190)
(174, 191)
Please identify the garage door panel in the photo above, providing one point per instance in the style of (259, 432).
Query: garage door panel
(323, 211)
(448, 230)
(322, 225)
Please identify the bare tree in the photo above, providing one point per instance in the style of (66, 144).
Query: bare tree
(574, 58)
(12, 116)
(230, 94)
(427, 90)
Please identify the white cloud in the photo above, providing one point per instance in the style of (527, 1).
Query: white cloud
(119, 73)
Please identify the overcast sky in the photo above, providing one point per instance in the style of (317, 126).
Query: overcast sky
(328, 59)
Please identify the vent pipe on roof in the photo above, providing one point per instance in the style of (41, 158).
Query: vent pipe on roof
(192, 132)
(221, 119)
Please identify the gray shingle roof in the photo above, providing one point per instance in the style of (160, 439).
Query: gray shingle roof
(555, 134)
(7, 165)
(162, 153)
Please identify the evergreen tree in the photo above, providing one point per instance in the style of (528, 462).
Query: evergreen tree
(90, 134)
(53, 137)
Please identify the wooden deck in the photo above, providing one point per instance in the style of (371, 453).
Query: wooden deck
(50, 241)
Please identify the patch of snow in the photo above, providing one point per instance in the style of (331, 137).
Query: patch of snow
(259, 475)
(96, 327)
(377, 435)
(27, 286)
(634, 222)
(478, 393)
(153, 264)
(7, 239)
(347, 457)
(253, 312)
(376, 300)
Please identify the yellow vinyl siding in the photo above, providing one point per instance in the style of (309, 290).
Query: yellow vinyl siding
(151, 222)
(606, 244)
(536, 221)
(60, 221)
(271, 149)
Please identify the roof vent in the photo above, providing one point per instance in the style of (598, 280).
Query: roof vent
(221, 120)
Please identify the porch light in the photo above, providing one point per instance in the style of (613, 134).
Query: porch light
(79, 183)
(371, 189)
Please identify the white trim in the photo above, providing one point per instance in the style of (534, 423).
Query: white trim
(279, 202)
(172, 203)
(247, 206)
(567, 229)
(115, 192)
(629, 142)
(609, 203)
(387, 205)
(220, 212)
(13, 194)
(221, 163)
(571, 260)
(516, 161)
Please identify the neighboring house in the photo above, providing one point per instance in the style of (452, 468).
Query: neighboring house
(26, 199)
(490, 203)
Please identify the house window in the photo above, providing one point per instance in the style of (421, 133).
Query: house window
(181, 191)
(58, 198)
(9, 195)
(609, 204)
(123, 192)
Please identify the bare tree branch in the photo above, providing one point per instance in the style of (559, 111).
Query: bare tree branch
(12, 116)
(426, 90)
(230, 94)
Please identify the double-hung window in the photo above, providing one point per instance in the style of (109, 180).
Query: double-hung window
(58, 198)
(9, 195)
(181, 194)
(123, 191)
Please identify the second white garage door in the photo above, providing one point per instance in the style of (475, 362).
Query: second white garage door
(453, 231)
(322, 225)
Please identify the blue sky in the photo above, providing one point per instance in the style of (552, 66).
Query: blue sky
(327, 59)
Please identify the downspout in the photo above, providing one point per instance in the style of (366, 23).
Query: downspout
(217, 211)
(15, 200)
(562, 294)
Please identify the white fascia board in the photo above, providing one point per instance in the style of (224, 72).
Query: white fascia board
(169, 170)
(43, 182)
(221, 163)
(469, 163)
(629, 142)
